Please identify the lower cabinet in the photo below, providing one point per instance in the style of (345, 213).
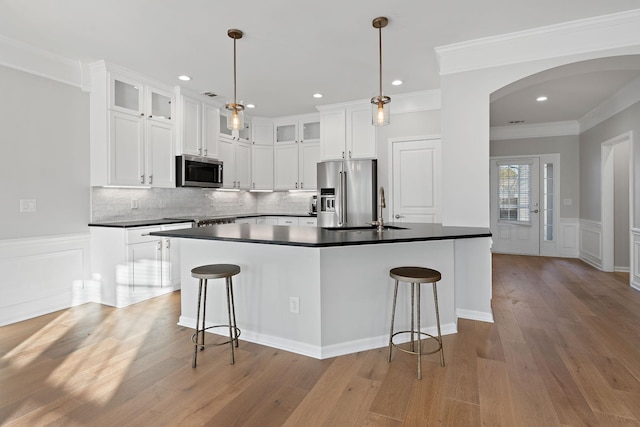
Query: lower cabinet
(288, 220)
(131, 266)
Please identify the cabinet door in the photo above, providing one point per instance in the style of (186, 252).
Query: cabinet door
(308, 161)
(126, 165)
(243, 165)
(126, 95)
(226, 153)
(262, 134)
(191, 126)
(159, 105)
(333, 134)
(286, 167)
(145, 264)
(267, 220)
(361, 135)
(160, 159)
(262, 167)
(287, 220)
(210, 131)
(308, 222)
(309, 130)
(286, 132)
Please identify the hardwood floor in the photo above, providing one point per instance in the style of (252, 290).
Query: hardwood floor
(564, 350)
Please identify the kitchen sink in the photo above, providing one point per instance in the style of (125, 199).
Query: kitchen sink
(364, 228)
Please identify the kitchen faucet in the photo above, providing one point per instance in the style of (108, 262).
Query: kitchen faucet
(380, 223)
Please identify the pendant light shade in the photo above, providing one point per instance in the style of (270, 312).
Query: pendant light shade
(380, 108)
(235, 109)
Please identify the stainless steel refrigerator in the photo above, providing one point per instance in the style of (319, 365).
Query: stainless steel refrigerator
(347, 192)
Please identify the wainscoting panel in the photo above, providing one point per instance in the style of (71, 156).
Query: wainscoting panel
(42, 275)
(569, 238)
(635, 258)
(591, 242)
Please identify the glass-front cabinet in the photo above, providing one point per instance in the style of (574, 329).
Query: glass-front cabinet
(126, 95)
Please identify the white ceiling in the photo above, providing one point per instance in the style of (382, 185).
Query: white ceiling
(291, 48)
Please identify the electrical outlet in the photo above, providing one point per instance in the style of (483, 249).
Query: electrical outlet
(294, 305)
(27, 205)
(134, 203)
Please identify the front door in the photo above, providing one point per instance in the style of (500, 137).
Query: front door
(416, 180)
(515, 205)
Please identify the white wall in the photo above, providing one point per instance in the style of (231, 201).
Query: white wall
(44, 155)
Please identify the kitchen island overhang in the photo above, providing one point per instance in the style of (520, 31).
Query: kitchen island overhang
(341, 280)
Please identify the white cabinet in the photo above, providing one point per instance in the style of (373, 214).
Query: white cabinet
(261, 167)
(262, 156)
(291, 130)
(308, 222)
(295, 166)
(131, 266)
(131, 129)
(198, 125)
(267, 220)
(246, 221)
(236, 158)
(287, 220)
(347, 133)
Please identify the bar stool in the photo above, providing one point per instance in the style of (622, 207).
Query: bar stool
(416, 275)
(204, 273)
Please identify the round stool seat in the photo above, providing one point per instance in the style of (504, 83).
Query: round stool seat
(415, 274)
(215, 271)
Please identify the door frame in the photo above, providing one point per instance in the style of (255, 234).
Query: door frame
(391, 141)
(606, 202)
(545, 247)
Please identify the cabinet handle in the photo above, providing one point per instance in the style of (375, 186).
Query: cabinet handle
(150, 179)
(296, 185)
(159, 246)
(199, 151)
(168, 245)
(349, 153)
(301, 185)
(254, 185)
(142, 114)
(150, 116)
(205, 151)
(343, 154)
(141, 179)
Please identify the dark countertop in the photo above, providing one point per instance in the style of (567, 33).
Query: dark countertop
(185, 218)
(139, 223)
(320, 237)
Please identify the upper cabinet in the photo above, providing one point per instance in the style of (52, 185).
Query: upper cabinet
(296, 152)
(198, 125)
(346, 132)
(292, 130)
(132, 129)
(262, 155)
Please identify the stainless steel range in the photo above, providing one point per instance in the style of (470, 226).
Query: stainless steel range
(204, 221)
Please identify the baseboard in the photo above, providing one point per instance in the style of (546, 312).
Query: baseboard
(475, 315)
(317, 352)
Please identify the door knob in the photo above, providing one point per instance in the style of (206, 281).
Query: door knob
(535, 211)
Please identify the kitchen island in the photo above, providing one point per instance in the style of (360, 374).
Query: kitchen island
(325, 293)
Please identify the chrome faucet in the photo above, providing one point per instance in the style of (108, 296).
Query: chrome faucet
(380, 222)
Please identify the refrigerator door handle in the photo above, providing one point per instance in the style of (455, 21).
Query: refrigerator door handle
(338, 205)
(343, 194)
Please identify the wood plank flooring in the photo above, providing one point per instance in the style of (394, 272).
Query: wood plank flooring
(564, 351)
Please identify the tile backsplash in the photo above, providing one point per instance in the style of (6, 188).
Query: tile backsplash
(125, 204)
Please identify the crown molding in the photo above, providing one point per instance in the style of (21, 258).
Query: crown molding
(534, 130)
(599, 33)
(410, 102)
(619, 101)
(24, 57)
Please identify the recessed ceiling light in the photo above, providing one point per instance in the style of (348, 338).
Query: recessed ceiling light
(541, 98)
(317, 95)
(397, 82)
(184, 78)
(251, 106)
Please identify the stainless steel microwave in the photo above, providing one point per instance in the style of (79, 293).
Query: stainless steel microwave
(193, 171)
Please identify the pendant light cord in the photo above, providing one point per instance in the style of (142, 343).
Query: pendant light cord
(235, 98)
(380, 51)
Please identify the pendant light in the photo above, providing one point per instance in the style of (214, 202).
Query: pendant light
(235, 109)
(380, 108)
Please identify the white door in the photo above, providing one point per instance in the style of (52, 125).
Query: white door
(515, 205)
(416, 181)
